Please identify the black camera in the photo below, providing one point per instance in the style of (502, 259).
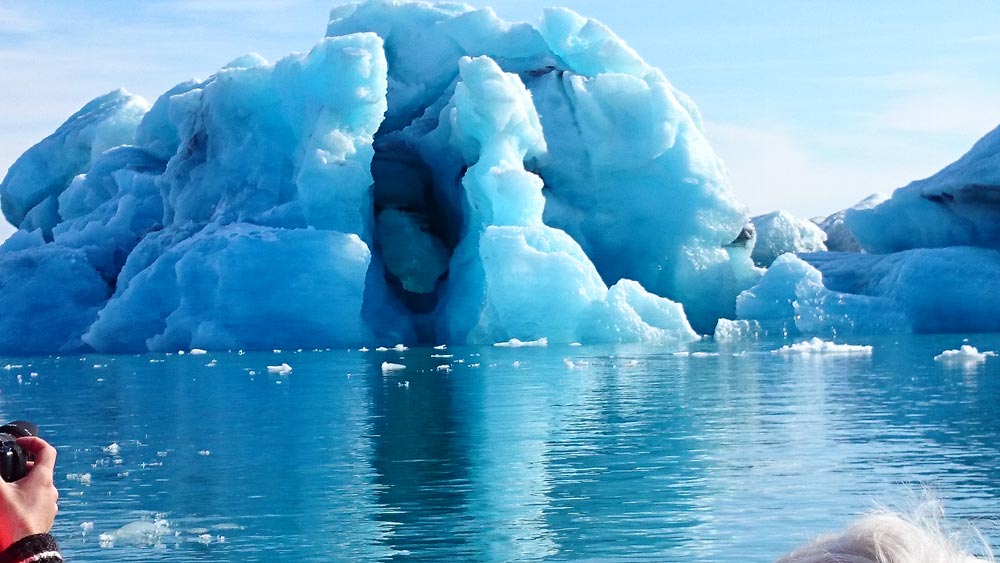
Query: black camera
(13, 459)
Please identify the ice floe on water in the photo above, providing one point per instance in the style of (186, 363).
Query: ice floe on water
(964, 355)
(515, 343)
(389, 366)
(819, 346)
(283, 369)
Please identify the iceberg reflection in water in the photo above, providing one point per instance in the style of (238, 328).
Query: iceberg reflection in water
(559, 453)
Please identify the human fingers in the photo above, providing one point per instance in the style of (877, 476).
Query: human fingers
(44, 454)
(43, 468)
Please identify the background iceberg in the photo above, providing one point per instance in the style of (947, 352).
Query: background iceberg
(958, 206)
(425, 173)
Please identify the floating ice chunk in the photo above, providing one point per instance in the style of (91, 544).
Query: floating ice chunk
(205, 538)
(515, 343)
(704, 354)
(204, 452)
(381, 349)
(388, 367)
(965, 354)
(819, 346)
(575, 364)
(283, 369)
(363, 349)
(197, 352)
(575, 344)
(86, 526)
(82, 478)
(112, 449)
(405, 384)
(140, 532)
(441, 347)
(442, 356)
(445, 368)
(399, 348)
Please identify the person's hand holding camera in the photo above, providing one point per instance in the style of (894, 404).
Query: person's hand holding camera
(28, 505)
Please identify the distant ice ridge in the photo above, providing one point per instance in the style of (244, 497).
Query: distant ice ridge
(426, 173)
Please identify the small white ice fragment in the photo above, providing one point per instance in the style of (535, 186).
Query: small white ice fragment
(965, 354)
(82, 478)
(575, 344)
(204, 452)
(106, 540)
(516, 364)
(180, 352)
(405, 384)
(205, 538)
(277, 350)
(86, 526)
(517, 343)
(400, 348)
(283, 369)
(817, 346)
(211, 364)
(441, 347)
(442, 355)
(445, 368)
(363, 349)
(197, 352)
(381, 349)
(112, 449)
(387, 367)
(578, 364)
(704, 354)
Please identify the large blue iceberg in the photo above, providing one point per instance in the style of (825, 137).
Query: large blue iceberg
(426, 173)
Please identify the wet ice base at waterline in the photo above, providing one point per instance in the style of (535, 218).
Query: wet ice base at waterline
(708, 453)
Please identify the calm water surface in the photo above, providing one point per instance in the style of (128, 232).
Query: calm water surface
(555, 454)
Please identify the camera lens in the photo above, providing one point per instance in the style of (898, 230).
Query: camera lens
(13, 458)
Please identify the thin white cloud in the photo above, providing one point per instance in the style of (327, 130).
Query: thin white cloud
(15, 22)
(968, 114)
(771, 167)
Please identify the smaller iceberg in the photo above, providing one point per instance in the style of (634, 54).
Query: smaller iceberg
(780, 232)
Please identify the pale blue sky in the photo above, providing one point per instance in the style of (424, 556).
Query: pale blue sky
(813, 105)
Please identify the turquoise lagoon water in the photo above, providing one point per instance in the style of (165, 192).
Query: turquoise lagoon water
(529, 454)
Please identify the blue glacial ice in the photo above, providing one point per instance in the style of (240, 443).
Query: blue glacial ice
(426, 173)
(430, 173)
